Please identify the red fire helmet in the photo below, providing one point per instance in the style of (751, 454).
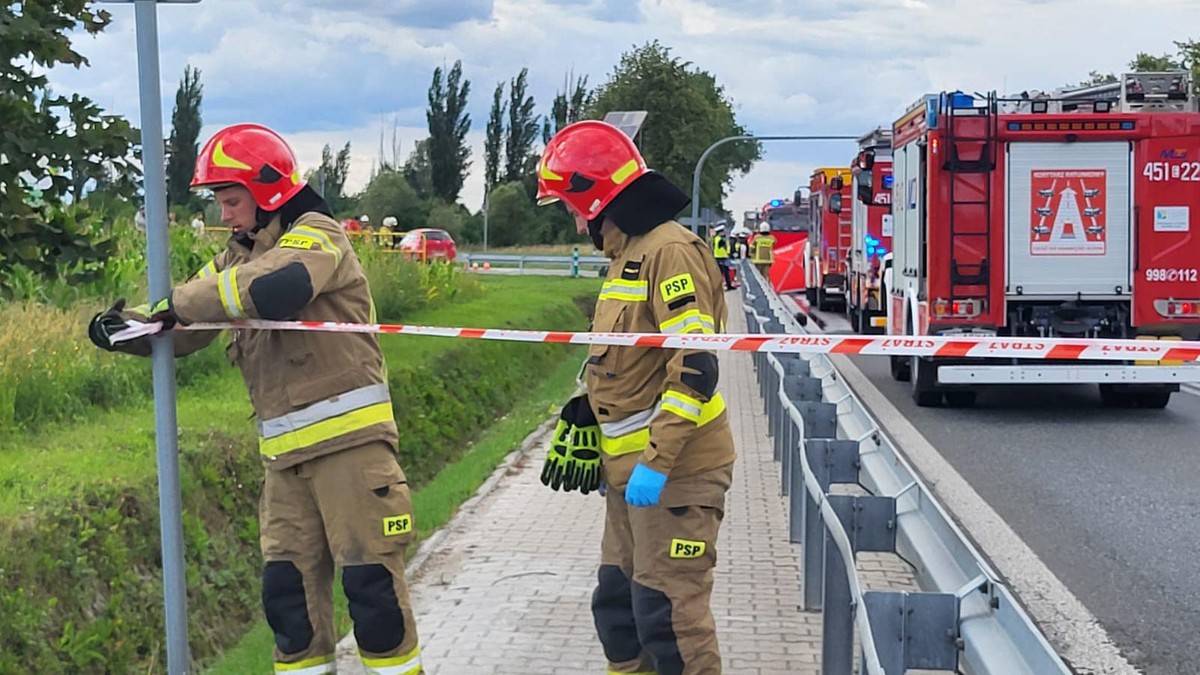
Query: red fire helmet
(254, 157)
(586, 165)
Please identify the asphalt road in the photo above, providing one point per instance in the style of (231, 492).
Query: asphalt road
(1107, 498)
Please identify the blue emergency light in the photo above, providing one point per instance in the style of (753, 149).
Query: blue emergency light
(776, 202)
(887, 181)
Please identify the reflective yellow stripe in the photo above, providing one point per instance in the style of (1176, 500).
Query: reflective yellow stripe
(625, 171)
(691, 321)
(623, 445)
(326, 242)
(640, 440)
(208, 270)
(405, 664)
(313, 666)
(622, 289)
(326, 430)
(230, 298)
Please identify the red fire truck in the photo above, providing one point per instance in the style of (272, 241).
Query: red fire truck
(870, 231)
(828, 248)
(1051, 216)
(788, 220)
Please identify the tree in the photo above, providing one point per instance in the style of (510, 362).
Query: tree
(389, 194)
(493, 146)
(50, 142)
(330, 177)
(570, 105)
(449, 123)
(512, 217)
(522, 129)
(1144, 62)
(418, 170)
(449, 217)
(688, 111)
(184, 142)
(1097, 78)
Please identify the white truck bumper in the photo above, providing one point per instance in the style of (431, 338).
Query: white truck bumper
(1059, 374)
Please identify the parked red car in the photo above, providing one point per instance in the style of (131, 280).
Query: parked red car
(427, 243)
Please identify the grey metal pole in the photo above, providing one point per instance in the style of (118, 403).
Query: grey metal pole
(486, 207)
(728, 139)
(812, 569)
(165, 425)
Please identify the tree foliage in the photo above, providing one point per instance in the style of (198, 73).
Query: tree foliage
(418, 170)
(390, 194)
(51, 146)
(184, 142)
(570, 105)
(449, 123)
(493, 147)
(330, 177)
(522, 128)
(688, 111)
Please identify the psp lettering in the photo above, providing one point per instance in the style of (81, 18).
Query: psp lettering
(686, 548)
(396, 525)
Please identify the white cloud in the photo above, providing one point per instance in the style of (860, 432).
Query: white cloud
(328, 71)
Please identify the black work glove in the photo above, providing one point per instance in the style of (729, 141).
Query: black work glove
(573, 461)
(106, 324)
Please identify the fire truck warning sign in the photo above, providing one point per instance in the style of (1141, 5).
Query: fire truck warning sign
(1067, 212)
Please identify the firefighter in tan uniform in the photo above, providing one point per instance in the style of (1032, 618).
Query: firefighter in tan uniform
(660, 425)
(334, 493)
(762, 250)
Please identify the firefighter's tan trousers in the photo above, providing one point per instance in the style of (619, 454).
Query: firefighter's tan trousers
(651, 605)
(353, 509)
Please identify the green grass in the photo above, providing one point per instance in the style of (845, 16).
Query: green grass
(435, 503)
(118, 445)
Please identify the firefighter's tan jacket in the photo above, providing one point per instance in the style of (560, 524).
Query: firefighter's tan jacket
(659, 406)
(313, 393)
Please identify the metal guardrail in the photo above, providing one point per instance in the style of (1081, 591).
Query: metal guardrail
(964, 618)
(570, 262)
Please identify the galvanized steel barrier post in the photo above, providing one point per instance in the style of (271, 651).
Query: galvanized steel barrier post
(823, 436)
(575, 261)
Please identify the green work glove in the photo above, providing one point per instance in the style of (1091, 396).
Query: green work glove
(573, 461)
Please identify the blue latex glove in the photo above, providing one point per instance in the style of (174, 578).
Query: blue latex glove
(645, 486)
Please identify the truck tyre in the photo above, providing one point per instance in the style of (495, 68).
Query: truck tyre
(1116, 396)
(960, 398)
(924, 383)
(901, 368)
(1153, 399)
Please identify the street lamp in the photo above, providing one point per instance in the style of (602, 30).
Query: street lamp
(728, 139)
(487, 205)
(163, 355)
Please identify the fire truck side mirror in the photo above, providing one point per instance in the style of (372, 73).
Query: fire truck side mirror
(866, 193)
(835, 203)
(866, 160)
(836, 183)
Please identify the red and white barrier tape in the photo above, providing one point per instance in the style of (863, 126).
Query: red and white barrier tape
(949, 346)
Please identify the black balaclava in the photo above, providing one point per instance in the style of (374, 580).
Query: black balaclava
(305, 201)
(648, 202)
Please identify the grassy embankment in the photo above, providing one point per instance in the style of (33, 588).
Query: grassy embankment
(79, 557)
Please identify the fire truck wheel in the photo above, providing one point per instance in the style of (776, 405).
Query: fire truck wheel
(901, 368)
(810, 294)
(1115, 396)
(822, 301)
(1153, 399)
(924, 383)
(960, 398)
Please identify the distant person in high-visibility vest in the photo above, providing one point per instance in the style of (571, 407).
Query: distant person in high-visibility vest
(762, 250)
(720, 251)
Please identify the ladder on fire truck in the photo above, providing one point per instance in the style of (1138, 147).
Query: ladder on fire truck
(971, 133)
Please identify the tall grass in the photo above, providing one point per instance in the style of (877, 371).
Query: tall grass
(51, 373)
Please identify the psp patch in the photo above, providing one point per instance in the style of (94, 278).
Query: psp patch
(293, 241)
(686, 548)
(397, 525)
(677, 286)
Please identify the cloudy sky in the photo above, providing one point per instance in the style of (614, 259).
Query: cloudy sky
(331, 71)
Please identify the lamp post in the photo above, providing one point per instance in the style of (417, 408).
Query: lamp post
(487, 194)
(163, 354)
(728, 139)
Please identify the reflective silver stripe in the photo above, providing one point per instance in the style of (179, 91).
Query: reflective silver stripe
(677, 403)
(689, 322)
(634, 422)
(323, 410)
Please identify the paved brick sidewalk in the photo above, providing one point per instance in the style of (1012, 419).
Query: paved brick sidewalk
(507, 589)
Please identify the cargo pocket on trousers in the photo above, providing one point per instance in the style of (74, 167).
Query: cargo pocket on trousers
(388, 502)
(692, 525)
